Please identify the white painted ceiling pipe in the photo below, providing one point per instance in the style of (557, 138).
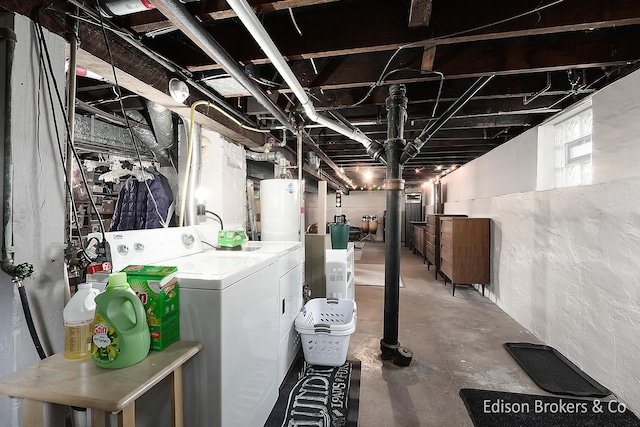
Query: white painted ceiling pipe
(253, 25)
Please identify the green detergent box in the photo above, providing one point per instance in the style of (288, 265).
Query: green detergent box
(231, 238)
(157, 288)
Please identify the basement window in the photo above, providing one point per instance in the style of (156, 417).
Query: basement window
(572, 138)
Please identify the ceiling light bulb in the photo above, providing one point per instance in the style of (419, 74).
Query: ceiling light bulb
(178, 90)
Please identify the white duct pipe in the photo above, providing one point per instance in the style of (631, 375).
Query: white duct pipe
(253, 25)
(177, 13)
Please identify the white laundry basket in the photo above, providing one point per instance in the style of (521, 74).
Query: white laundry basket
(325, 326)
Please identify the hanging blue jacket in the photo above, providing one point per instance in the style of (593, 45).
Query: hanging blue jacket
(137, 210)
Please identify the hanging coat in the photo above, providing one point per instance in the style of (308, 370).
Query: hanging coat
(137, 210)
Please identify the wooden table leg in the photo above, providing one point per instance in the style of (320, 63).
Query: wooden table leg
(177, 398)
(32, 413)
(127, 417)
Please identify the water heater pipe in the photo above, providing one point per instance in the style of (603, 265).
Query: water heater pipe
(190, 176)
(260, 35)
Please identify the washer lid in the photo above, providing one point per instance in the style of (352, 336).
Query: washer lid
(208, 270)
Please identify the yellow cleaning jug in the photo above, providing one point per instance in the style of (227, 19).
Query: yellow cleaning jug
(78, 317)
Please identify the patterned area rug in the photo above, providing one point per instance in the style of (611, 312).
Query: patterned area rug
(318, 396)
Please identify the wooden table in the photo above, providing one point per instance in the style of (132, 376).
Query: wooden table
(81, 383)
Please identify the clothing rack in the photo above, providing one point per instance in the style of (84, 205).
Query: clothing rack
(126, 169)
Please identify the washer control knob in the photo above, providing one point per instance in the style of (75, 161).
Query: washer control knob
(188, 240)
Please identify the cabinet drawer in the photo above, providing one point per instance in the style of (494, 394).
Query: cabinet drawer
(446, 268)
(430, 228)
(431, 219)
(431, 255)
(446, 226)
(446, 253)
(446, 240)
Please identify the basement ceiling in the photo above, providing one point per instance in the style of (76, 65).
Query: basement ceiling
(544, 56)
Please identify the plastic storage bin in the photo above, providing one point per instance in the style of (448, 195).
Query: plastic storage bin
(325, 326)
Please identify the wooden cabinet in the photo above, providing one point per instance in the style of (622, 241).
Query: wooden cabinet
(464, 250)
(432, 240)
(419, 234)
(410, 236)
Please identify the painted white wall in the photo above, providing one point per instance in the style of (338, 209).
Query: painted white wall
(565, 262)
(510, 168)
(38, 213)
(355, 205)
(616, 130)
(223, 177)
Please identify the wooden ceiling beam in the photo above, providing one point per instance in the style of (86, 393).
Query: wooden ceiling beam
(603, 48)
(382, 26)
(420, 13)
(346, 29)
(218, 10)
(560, 17)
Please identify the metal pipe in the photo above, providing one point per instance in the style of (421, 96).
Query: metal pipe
(161, 123)
(300, 186)
(7, 194)
(260, 35)
(164, 63)
(149, 136)
(413, 148)
(394, 186)
(193, 131)
(323, 156)
(71, 116)
(272, 156)
(178, 14)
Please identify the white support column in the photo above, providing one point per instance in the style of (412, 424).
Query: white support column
(322, 207)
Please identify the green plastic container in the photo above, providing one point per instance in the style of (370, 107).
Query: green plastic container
(339, 235)
(120, 331)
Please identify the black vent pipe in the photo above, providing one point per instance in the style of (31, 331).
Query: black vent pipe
(412, 149)
(394, 186)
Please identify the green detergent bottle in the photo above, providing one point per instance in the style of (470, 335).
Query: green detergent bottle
(120, 331)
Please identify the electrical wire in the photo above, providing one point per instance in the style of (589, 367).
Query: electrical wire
(48, 68)
(162, 220)
(217, 216)
(380, 80)
(491, 24)
(183, 198)
(212, 245)
(295, 24)
(185, 74)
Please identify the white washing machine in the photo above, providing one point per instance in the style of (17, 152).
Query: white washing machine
(240, 306)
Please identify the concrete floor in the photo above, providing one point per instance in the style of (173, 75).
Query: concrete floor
(456, 343)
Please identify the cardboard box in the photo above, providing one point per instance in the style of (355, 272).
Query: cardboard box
(157, 287)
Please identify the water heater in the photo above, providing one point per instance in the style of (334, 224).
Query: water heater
(280, 210)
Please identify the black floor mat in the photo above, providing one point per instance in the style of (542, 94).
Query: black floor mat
(318, 396)
(500, 409)
(553, 372)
